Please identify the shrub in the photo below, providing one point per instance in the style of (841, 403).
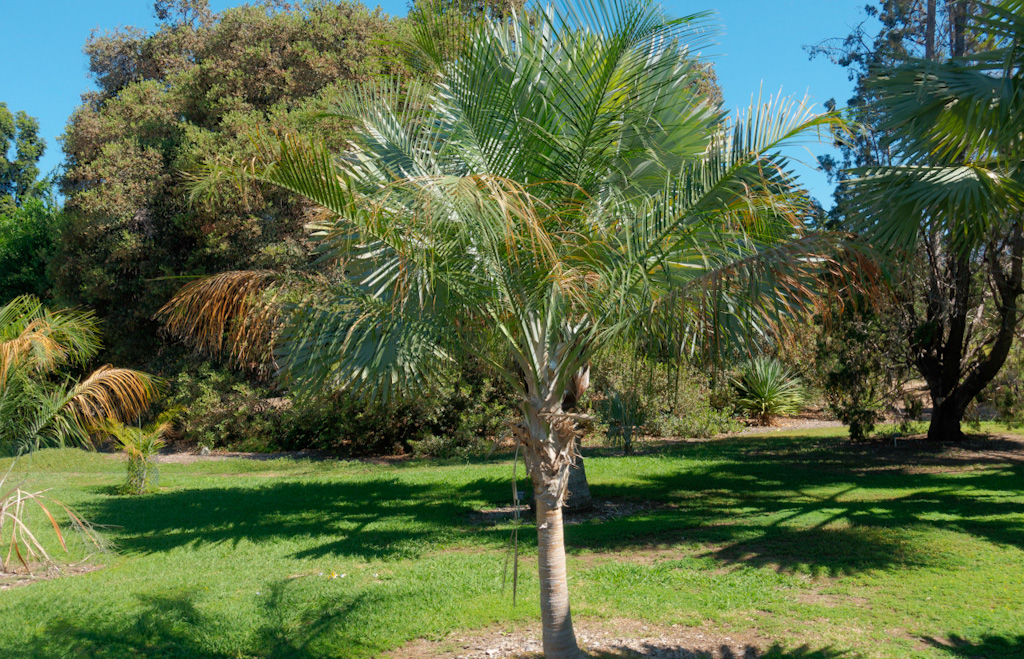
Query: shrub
(625, 415)
(767, 389)
(219, 409)
(668, 396)
(701, 422)
(859, 374)
(1005, 394)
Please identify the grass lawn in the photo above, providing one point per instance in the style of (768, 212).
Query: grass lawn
(819, 547)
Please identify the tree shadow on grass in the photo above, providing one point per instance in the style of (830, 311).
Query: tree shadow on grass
(369, 519)
(813, 507)
(174, 626)
(833, 510)
(163, 626)
(989, 647)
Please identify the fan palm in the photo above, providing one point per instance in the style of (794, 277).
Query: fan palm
(558, 182)
(36, 410)
(957, 198)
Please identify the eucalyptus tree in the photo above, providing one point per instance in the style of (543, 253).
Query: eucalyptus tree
(952, 205)
(36, 407)
(556, 183)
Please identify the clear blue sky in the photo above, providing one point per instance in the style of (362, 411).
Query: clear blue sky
(759, 45)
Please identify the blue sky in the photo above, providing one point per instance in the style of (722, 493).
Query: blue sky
(759, 46)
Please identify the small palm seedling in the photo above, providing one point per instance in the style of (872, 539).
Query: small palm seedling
(26, 546)
(768, 389)
(141, 446)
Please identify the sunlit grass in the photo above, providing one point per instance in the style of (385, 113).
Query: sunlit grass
(801, 538)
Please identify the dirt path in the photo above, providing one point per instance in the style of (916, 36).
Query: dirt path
(598, 638)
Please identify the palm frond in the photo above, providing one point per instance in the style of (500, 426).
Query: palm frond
(112, 393)
(233, 312)
(33, 337)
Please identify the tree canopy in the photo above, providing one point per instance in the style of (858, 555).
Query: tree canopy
(200, 85)
(21, 147)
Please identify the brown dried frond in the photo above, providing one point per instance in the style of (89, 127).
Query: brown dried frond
(113, 393)
(230, 307)
(36, 340)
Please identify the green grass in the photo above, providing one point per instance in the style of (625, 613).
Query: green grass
(825, 548)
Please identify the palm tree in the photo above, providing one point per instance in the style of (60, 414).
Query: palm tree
(954, 207)
(36, 410)
(557, 183)
(141, 447)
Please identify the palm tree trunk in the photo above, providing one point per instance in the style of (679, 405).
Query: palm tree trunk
(578, 499)
(548, 449)
(556, 619)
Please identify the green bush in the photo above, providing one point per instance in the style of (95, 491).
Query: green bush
(625, 416)
(219, 409)
(216, 408)
(1005, 393)
(26, 241)
(767, 389)
(701, 422)
(666, 397)
(860, 371)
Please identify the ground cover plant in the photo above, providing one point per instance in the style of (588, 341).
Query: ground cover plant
(806, 542)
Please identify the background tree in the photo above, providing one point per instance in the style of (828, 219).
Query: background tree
(558, 178)
(952, 205)
(26, 246)
(949, 309)
(20, 151)
(199, 85)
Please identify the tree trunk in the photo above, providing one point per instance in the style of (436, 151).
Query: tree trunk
(929, 31)
(556, 619)
(578, 499)
(549, 444)
(945, 423)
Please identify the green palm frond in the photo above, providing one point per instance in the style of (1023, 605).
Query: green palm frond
(36, 409)
(35, 338)
(559, 180)
(955, 126)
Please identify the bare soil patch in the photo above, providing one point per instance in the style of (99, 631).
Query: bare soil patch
(597, 638)
(22, 577)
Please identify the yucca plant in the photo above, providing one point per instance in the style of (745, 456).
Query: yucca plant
(625, 413)
(39, 405)
(558, 180)
(767, 389)
(141, 446)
